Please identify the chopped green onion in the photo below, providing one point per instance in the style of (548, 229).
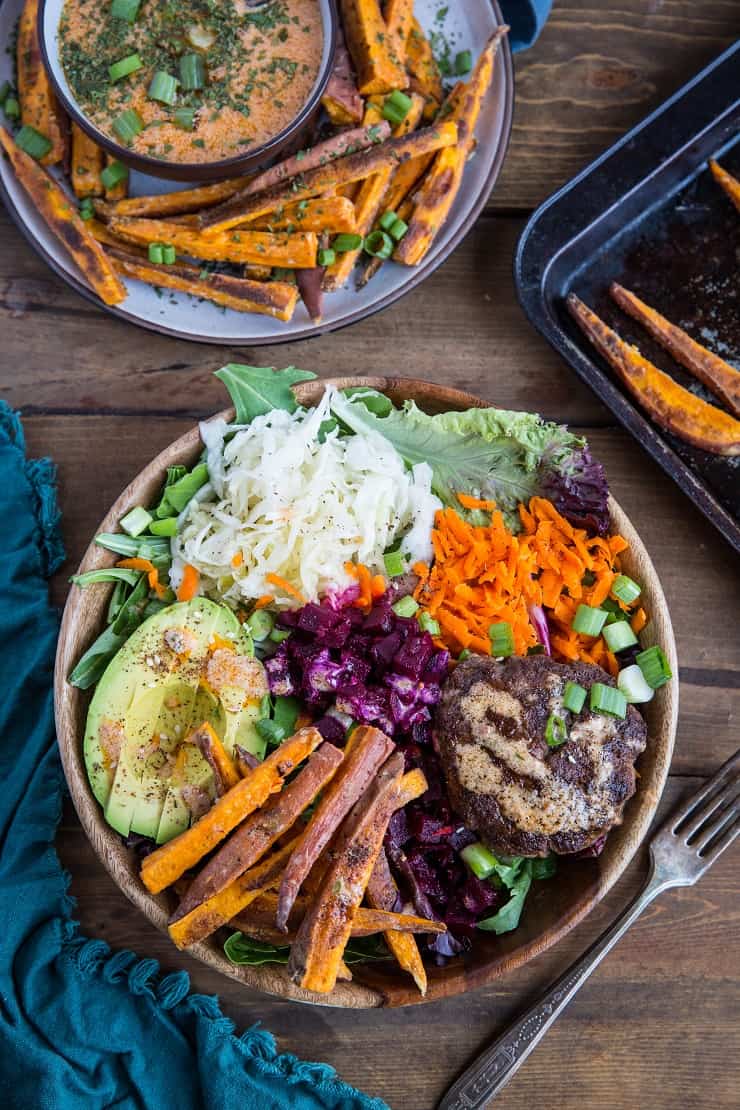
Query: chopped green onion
(589, 621)
(405, 606)
(346, 242)
(326, 257)
(270, 731)
(184, 118)
(654, 667)
(379, 245)
(137, 521)
(155, 251)
(128, 125)
(479, 859)
(608, 700)
(192, 72)
(285, 713)
(33, 142)
(169, 254)
(125, 9)
(626, 589)
(129, 547)
(502, 639)
(556, 731)
(388, 219)
(395, 563)
(124, 67)
(463, 62)
(163, 87)
(12, 108)
(112, 174)
(166, 527)
(279, 634)
(464, 654)
(631, 682)
(619, 636)
(398, 229)
(428, 624)
(106, 574)
(396, 107)
(574, 696)
(87, 212)
(260, 624)
(283, 273)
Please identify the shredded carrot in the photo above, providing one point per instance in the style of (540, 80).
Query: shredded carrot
(188, 588)
(377, 586)
(371, 586)
(484, 574)
(237, 560)
(469, 502)
(149, 569)
(282, 584)
(263, 601)
(639, 621)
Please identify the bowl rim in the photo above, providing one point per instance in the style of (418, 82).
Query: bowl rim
(194, 171)
(368, 989)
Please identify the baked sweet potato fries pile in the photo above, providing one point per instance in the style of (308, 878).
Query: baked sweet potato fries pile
(292, 852)
(378, 182)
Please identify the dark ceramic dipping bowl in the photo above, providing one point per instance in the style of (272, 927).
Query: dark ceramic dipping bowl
(50, 12)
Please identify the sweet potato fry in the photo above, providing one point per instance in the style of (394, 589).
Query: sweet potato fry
(169, 862)
(423, 69)
(382, 893)
(439, 190)
(343, 171)
(370, 749)
(268, 298)
(716, 374)
(217, 911)
(399, 21)
(412, 785)
(100, 231)
(58, 211)
(232, 246)
(210, 747)
(337, 146)
(316, 954)
(258, 920)
(668, 403)
(373, 51)
(255, 272)
(39, 107)
(371, 266)
(334, 214)
(257, 835)
(183, 200)
(726, 181)
(87, 164)
(342, 100)
(120, 189)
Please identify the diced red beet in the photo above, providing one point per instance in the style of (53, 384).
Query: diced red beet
(332, 730)
(413, 655)
(428, 829)
(477, 895)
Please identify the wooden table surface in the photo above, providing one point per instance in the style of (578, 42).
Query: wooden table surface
(657, 1024)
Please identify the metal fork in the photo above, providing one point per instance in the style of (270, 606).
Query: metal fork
(684, 848)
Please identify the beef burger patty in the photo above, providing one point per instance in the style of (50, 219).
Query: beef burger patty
(523, 797)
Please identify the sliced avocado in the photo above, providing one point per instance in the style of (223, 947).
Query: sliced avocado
(151, 696)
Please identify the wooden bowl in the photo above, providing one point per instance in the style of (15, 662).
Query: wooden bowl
(553, 908)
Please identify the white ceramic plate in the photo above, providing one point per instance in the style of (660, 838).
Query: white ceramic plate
(467, 25)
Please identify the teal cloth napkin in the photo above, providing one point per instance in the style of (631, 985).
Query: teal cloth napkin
(83, 1028)
(526, 18)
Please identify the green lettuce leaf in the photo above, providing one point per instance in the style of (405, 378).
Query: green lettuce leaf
(256, 390)
(241, 949)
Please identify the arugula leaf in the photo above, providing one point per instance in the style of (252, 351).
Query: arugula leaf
(508, 916)
(256, 390)
(241, 949)
(544, 868)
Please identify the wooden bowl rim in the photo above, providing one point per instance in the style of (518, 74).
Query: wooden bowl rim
(83, 612)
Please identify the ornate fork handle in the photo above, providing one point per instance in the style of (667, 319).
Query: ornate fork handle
(495, 1066)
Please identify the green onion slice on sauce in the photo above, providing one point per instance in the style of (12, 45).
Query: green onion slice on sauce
(128, 125)
(184, 118)
(163, 87)
(125, 9)
(124, 67)
(192, 72)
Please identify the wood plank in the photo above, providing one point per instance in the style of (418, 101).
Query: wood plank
(653, 1027)
(596, 71)
(468, 309)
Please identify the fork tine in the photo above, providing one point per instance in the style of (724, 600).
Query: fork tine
(719, 846)
(727, 771)
(711, 831)
(718, 802)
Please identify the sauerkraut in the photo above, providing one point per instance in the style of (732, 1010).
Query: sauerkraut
(291, 497)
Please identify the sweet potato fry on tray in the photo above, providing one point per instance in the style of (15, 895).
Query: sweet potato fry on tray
(373, 51)
(317, 952)
(667, 402)
(177, 856)
(423, 69)
(258, 920)
(342, 100)
(382, 893)
(440, 186)
(338, 146)
(370, 748)
(183, 200)
(240, 245)
(217, 911)
(726, 181)
(334, 214)
(267, 298)
(40, 109)
(87, 165)
(210, 747)
(343, 171)
(716, 374)
(249, 843)
(58, 211)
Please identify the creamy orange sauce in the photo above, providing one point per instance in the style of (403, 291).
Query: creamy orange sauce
(260, 64)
